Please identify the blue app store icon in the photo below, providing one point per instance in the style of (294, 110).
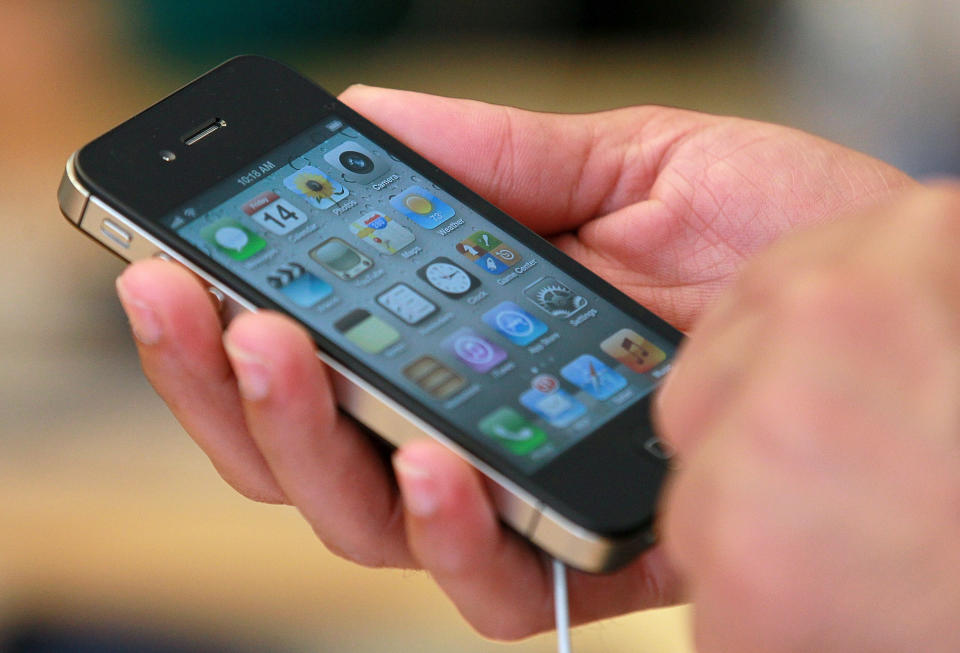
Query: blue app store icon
(516, 324)
(422, 207)
(591, 375)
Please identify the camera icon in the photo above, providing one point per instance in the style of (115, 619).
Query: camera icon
(356, 161)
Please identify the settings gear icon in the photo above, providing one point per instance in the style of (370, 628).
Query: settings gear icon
(555, 298)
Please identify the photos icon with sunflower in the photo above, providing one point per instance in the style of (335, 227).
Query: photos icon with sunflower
(316, 187)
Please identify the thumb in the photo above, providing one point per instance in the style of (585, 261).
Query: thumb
(551, 171)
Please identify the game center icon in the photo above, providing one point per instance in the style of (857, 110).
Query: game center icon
(488, 252)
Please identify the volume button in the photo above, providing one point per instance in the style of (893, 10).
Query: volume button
(229, 307)
(116, 233)
(218, 297)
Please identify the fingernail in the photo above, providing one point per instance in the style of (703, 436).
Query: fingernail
(253, 374)
(143, 319)
(416, 486)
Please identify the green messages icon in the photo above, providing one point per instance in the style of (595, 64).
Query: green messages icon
(233, 239)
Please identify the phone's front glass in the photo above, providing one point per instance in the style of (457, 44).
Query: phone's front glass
(437, 299)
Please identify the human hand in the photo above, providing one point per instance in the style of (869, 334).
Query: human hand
(663, 203)
(816, 411)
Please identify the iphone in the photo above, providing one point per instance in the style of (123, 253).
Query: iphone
(439, 315)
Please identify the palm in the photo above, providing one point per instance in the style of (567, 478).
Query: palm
(725, 189)
(664, 203)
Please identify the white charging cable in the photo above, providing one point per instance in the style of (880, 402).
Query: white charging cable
(561, 606)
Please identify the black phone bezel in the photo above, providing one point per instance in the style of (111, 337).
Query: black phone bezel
(607, 483)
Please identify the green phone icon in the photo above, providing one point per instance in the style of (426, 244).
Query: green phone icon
(510, 429)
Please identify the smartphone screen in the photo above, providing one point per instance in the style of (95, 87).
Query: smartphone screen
(441, 302)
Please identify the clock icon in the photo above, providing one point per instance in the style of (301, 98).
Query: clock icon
(448, 277)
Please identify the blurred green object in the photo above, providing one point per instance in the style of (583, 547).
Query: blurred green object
(217, 29)
(204, 30)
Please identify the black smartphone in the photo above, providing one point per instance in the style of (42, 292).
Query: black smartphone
(439, 315)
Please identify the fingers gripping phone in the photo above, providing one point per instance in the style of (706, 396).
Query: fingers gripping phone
(439, 315)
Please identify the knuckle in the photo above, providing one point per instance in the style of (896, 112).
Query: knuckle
(376, 546)
(262, 495)
(259, 492)
(839, 305)
(789, 423)
(368, 552)
(506, 626)
(361, 555)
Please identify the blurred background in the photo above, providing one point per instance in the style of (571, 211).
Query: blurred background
(116, 535)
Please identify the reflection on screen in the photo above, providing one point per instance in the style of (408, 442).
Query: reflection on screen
(430, 294)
